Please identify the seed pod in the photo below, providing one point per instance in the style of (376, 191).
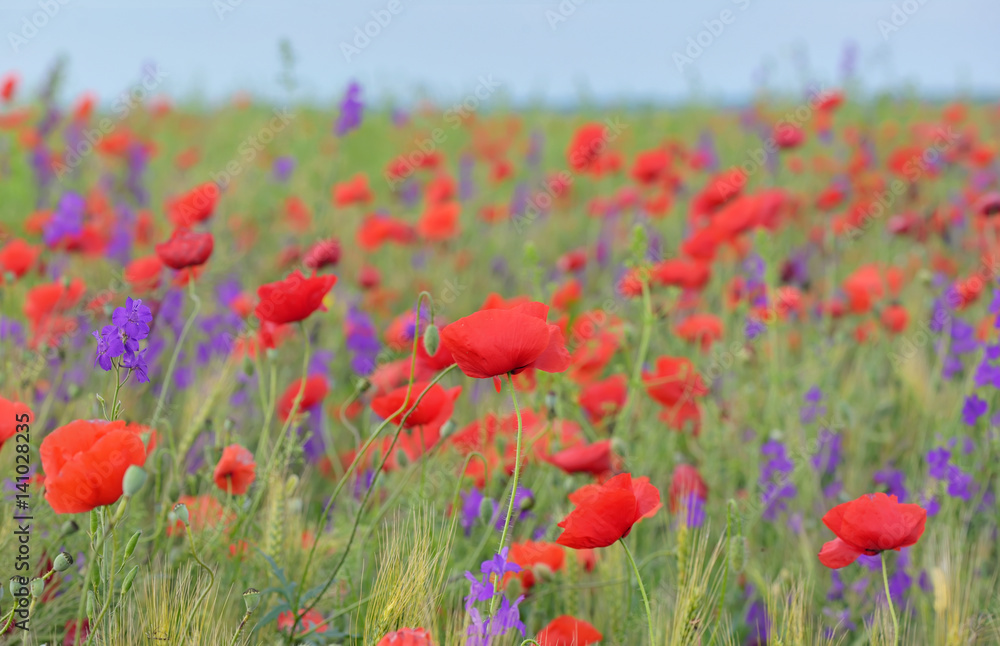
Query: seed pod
(36, 586)
(63, 562)
(127, 584)
(135, 477)
(432, 339)
(251, 598)
(130, 546)
(181, 512)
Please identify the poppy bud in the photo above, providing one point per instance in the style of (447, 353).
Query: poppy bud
(448, 428)
(135, 477)
(91, 604)
(95, 522)
(402, 460)
(363, 385)
(130, 546)
(63, 562)
(70, 527)
(526, 503)
(542, 572)
(550, 404)
(432, 339)
(271, 354)
(181, 512)
(129, 578)
(486, 510)
(8, 277)
(248, 367)
(513, 588)
(36, 586)
(251, 598)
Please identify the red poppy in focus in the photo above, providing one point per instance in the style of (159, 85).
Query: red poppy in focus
(294, 298)
(143, 274)
(185, 249)
(324, 253)
(407, 637)
(236, 470)
(12, 414)
(604, 398)
(197, 205)
(597, 459)
(494, 342)
(537, 560)
(869, 525)
(315, 391)
(568, 631)
(311, 621)
(685, 483)
(84, 463)
(16, 258)
(606, 513)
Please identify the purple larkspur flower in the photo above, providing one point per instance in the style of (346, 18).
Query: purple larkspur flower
(974, 408)
(283, 167)
(351, 110)
(66, 220)
(466, 184)
(893, 480)
(472, 501)
(937, 461)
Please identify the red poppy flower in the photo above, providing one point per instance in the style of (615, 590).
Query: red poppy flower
(597, 459)
(440, 189)
(84, 463)
(686, 482)
(572, 260)
(537, 559)
(674, 379)
(376, 230)
(353, 191)
(12, 413)
(325, 253)
(568, 631)
(587, 147)
(787, 136)
(650, 166)
(236, 470)
(491, 343)
(606, 513)
(681, 273)
(869, 525)
(307, 621)
(186, 248)
(293, 299)
(51, 299)
(895, 318)
(197, 205)
(604, 398)
(143, 274)
(407, 637)
(434, 403)
(568, 295)
(7, 87)
(704, 329)
(16, 258)
(315, 391)
(439, 221)
(204, 512)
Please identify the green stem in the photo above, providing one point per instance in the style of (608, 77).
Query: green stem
(513, 492)
(642, 589)
(636, 380)
(211, 579)
(888, 600)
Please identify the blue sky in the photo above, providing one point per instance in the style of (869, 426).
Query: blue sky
(551, 51)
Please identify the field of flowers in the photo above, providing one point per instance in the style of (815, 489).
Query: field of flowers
(469, 374)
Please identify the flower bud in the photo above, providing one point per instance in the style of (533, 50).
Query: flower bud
(37, 586)
(95, 522)
(639, 241)
(63, 562)
(130, 546)
(432, 339)
(550, 404)
(248, 367)
(129, 578)
(542, 572)
(530, 253)
(402, 460)
(251, 598)
(526, 503)
(486, 510)
(69, 527)
(271, 354)
(91, 604)
(448, 428)
(181, 512)
(135, 477)
(363, 385)
(8, 277)
(15, 585)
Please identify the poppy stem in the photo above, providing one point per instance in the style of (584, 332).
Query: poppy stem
(642, 589)
(513, 493)
(636, 380)
(888, 599)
